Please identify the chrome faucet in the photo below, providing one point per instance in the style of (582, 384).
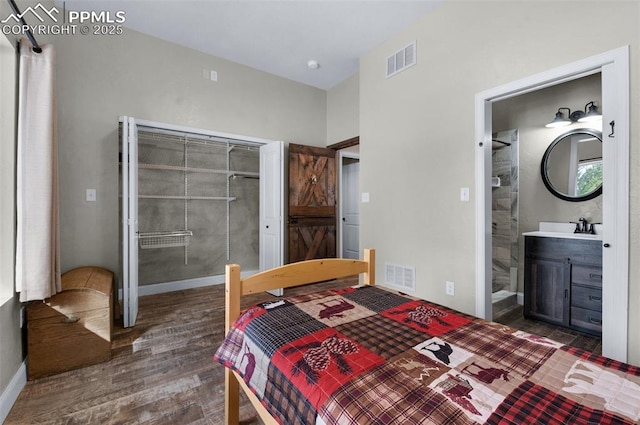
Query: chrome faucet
(583, 221)
(582, 226)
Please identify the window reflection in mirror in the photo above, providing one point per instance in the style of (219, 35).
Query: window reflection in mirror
(572, 165)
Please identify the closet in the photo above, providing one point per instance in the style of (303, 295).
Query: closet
(197, 203)
(191, 205)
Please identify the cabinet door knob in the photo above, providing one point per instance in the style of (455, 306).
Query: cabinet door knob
(606, 245)
(595, 321)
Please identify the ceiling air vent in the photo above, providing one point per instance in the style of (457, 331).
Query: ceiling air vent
(401, 277)
(401, 60)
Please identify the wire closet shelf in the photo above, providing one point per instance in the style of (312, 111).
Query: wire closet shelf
(149, 240)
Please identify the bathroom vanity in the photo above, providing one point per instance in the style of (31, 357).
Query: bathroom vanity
(563, 280)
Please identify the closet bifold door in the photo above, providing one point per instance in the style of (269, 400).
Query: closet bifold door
(129, 188)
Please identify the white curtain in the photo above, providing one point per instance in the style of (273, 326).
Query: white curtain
(38, 234)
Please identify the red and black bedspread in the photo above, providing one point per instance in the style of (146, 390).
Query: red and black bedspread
(371, 356)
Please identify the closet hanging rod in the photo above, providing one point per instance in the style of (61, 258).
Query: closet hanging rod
(245, 175)
(18, 15)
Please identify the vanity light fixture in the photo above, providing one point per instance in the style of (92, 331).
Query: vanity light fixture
(559, 120)
(589, 115)
(592, 114)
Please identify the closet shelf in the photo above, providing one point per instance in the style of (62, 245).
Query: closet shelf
(149, 240)
(189, 198)
(197, 170)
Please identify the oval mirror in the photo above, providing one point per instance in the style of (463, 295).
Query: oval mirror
(572, 165)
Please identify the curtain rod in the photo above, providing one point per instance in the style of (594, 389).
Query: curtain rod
(18, 14)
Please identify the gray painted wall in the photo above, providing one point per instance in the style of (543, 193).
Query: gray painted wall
(100, 78)
(10, 334)
(417, 129)
(343, 110)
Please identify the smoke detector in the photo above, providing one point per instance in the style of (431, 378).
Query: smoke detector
(313, 64)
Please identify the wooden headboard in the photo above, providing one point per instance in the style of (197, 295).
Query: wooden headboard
(290, 275)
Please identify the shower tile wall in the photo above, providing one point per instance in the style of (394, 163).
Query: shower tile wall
(505, 211)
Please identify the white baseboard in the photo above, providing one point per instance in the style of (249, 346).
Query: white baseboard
(520, 298)
(11, 393)
(180, 285)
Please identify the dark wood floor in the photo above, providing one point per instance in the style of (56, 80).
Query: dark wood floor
(515, 319)
(162, 370)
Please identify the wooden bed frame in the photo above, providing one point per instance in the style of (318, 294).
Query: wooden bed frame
(287, 276)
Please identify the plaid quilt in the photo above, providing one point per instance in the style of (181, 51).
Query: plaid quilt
(367, 355)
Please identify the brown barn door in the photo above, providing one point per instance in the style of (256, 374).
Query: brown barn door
(312, 203)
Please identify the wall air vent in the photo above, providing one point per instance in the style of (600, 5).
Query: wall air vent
(402, 278)
(401, 60)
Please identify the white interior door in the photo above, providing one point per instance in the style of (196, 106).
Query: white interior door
(271, 207)
(615, 211)
(350, 207)
(129, 221)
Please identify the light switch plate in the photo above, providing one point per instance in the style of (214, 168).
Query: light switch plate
(464, 194)
(91, 195)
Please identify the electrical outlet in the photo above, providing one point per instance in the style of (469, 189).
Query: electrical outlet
(450, 288)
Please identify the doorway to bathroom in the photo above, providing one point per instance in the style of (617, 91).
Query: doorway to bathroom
(614, 68)
(520, 199)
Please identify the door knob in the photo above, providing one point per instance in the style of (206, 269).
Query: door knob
(344, 218)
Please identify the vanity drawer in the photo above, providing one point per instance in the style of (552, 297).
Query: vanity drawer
(588, 320)
(584, 275)
(589, 298)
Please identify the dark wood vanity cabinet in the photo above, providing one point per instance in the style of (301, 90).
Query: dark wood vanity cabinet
(563, 282)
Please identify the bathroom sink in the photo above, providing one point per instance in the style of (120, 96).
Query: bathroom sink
(563, 230)
(548, 234)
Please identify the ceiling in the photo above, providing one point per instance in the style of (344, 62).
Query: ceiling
(278, 37)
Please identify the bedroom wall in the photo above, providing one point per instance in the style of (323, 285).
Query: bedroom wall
(417, 129)
(529, 113)
(343, 110)
(10, 335)
(102, 77)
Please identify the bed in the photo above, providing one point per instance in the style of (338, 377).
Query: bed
(369, 355)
